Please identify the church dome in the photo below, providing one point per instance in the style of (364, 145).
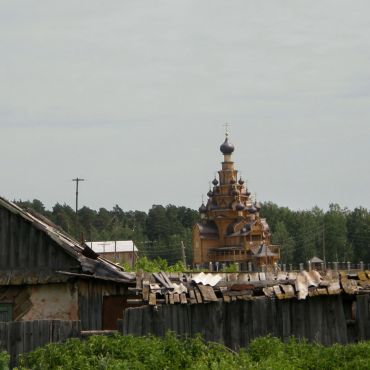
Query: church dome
(252, 209)
(210, 193)
(227, 148)
(241, 181)
(202, 208)
(235, 192)
(240, 207)
(215, 182)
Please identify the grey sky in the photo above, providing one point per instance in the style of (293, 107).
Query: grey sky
(132, 95)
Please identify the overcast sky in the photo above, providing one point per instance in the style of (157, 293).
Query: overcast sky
(132, 96)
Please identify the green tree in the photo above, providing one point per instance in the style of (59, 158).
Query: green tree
(358, 224)
(335, 234)
(282, 238)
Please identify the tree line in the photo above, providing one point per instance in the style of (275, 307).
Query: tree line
(338, 234)
(160, 232)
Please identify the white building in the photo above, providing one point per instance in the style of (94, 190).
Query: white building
(116, 251)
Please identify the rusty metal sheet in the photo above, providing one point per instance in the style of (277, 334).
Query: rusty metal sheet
(239, 287)
(207, 293)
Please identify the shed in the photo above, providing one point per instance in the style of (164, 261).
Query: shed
(46, 274)
(316, 263)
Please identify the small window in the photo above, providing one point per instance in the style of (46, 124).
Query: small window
(6, 312)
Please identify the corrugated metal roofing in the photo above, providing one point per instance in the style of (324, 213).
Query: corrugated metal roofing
(206, 279)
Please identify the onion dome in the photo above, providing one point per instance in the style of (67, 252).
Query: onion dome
(215, 182)
(227, 148)
(202, 208)
(240, 207)
(247, 193)
(210, 193)
(235, 192)
(232, 181)
(252, 209)
(241, 181)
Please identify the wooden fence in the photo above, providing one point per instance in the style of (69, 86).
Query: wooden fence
(323, 319)
(18, 337)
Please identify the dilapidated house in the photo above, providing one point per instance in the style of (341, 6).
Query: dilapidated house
(46, 274)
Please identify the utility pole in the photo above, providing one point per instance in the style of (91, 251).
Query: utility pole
(77, 180)
(183, 253)
(323, 246)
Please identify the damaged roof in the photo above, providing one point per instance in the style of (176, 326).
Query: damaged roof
(154, 289)
(89, 262)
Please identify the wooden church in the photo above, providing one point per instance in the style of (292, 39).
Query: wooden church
(231, 229)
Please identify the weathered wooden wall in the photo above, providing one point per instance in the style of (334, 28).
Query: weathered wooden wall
(326, 319)
(24, 336)
(25, 248)
(91, 301)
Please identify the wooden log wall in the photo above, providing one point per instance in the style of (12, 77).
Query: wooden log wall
(324, 319)
(24, 336)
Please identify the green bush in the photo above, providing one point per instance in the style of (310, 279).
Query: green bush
(170, 352)
(156, 265)
(4, 361)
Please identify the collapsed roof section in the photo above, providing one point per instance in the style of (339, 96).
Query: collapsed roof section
(32, 243)
(197, 288)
